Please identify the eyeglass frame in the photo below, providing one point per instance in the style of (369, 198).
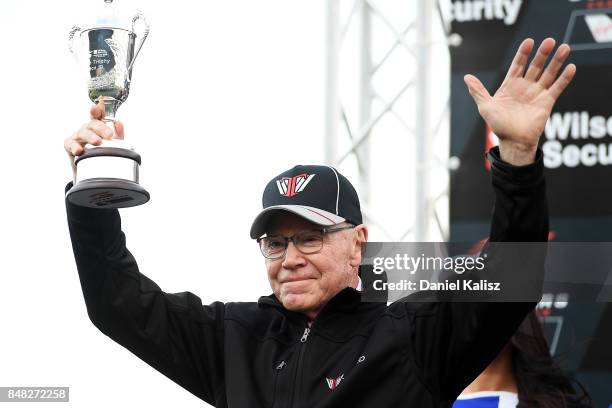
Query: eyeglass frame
(324, 231)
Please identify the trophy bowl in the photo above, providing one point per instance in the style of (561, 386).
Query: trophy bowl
(107, 175)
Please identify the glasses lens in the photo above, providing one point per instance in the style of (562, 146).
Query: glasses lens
(309, 241)
(272, 246)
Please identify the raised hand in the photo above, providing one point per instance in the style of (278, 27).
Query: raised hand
(518, 111)
(92, 133)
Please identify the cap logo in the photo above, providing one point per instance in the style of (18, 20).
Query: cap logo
(290, 186)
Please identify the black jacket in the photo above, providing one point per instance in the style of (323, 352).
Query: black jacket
(356, 354)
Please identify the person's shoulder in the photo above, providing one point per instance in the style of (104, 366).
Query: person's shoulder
(250, 313)
(233, 309)
(260, 322)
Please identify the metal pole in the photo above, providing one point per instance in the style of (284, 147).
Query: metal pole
(332, 98)
(365, 98)
(423, 211)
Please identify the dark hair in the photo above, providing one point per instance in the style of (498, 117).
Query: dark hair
(540, 380)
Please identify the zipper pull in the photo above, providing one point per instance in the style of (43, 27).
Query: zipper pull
(305, 335)
(281, 365)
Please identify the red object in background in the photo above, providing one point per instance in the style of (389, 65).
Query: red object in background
(544, 312)
(490, 142)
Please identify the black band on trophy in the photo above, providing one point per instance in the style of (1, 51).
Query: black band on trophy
(109, 151)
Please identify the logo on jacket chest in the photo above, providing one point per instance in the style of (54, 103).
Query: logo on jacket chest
(332, 383)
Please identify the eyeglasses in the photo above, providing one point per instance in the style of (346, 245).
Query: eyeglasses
(307, 242)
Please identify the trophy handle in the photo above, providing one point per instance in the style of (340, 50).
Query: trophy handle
(139, 17)
(73, 33)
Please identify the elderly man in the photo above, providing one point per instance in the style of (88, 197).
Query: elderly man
(313, 343)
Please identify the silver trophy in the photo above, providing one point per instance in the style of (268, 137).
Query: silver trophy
(107, 175)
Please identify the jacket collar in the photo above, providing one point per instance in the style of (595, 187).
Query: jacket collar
(340, 318)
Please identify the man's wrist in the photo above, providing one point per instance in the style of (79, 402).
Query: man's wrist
(507, 173)
(517, 154)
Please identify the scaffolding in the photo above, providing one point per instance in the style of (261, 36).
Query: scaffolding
(387, 113)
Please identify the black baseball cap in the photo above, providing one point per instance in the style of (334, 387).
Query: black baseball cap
(319, 194)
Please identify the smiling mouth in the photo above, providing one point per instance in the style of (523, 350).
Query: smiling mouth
(296, 280)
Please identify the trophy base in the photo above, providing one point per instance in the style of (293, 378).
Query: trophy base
(107, 193)
(107, 177)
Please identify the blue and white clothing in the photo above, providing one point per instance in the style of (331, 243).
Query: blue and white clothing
(487, 399)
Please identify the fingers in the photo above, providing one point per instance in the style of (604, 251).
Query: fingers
(86, 135)
(100, 128)
(68, 146)
(97, 114)
(476, 89)
(120, 129)
(563, 81)
(517, 68)
(550, 74)
(537, 65)
(75, 149)
(92, 133)
(97, 111)
(75, 143)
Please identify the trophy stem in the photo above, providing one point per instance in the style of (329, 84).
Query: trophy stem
(110, 108)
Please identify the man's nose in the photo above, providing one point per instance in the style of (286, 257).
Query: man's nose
(293, 257)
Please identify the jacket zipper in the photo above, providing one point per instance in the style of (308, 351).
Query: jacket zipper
(277, 370)
(298, 370)
(305, 335)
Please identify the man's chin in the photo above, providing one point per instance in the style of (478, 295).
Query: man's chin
(297, 302)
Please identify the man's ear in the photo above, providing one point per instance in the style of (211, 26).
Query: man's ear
(361, 237)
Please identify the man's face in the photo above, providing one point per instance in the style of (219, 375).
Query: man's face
(305, 283)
